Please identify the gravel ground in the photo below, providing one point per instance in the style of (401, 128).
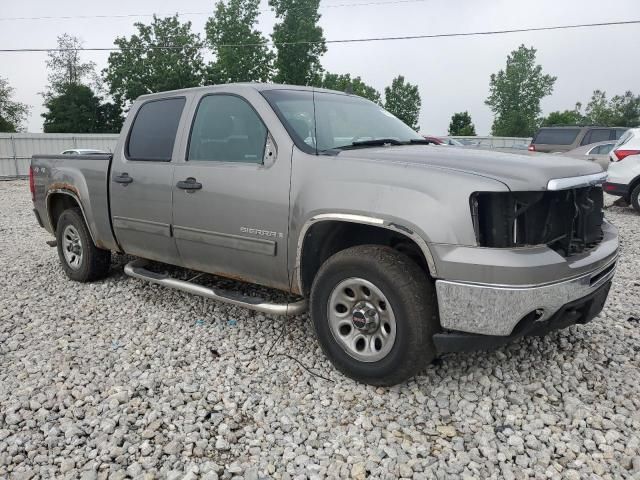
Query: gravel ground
(123, 379)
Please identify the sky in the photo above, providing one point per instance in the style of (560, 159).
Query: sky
(452, 74)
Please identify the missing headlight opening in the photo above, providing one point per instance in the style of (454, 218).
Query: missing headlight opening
(568, 221)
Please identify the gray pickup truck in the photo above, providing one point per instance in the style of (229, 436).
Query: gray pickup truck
(402, 250)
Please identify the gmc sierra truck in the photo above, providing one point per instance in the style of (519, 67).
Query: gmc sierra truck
(401, 250)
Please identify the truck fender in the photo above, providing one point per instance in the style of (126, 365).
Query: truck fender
(365, 220)
(74, 196)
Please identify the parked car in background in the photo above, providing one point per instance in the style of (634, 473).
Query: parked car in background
(594, 152)
(624, 169)
(565, 138)
(83, 151)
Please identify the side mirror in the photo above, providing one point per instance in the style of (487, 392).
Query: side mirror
(270, 151)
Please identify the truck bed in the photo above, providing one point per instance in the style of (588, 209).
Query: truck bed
(83, 177)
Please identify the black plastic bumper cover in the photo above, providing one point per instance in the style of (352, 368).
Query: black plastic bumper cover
(35, 212)
(580, 311)
(617, 189)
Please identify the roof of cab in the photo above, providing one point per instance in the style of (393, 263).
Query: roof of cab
(248, 85)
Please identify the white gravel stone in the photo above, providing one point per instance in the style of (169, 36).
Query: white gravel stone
(123, 378)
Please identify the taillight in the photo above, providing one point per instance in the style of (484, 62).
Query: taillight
(532, 148)
(622, 154)
(32, 185)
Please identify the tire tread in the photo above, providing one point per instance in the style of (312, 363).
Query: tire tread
(417, 294)
(96, 262)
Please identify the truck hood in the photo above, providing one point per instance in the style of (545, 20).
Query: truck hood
(519, 172)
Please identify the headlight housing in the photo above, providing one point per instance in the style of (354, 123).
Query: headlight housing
(568, 221)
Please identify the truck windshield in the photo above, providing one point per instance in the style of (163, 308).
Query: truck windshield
(321, 121)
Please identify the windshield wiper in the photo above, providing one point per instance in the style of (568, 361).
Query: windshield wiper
(376, 142)
(379, 142)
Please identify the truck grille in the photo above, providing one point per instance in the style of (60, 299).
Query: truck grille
(568, 221)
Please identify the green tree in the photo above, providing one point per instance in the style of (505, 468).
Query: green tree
(299, 41)
(165, 55)
(65, 65)
(72, 105)
(566, 117)
(626, 110)
(344, 83)
(462, 125)
(515, 94)
(234, 23)
(598, 110)
(403, 100)
(12, 113)
(620, 111)
(76, 109)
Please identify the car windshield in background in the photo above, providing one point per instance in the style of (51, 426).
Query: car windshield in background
(556, 136)
(337, 121)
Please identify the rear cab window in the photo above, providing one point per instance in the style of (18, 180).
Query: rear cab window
(556, 136)
(153, 132)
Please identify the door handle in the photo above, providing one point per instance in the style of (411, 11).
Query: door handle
(123, 178)
(189, 184)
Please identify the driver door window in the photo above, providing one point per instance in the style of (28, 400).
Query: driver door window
(226, 129)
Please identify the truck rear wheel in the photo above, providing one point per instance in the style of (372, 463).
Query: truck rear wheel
(81, 260)
(374, 312)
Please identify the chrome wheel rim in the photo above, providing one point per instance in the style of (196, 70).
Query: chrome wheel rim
(72, 247)
(361, 319)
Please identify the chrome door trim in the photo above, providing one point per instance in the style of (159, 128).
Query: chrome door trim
(226, 240)
(145, 226)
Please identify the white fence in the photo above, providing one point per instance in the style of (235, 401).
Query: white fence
(16, 148)
(519, 143)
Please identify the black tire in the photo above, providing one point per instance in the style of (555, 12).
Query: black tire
(94, 262)
(411, 295)
(635, 198)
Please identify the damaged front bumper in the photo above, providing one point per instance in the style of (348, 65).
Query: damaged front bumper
(496, 310)
(579, 311)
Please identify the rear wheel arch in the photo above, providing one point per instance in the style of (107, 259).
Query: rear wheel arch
(325, 235)
(60, 200)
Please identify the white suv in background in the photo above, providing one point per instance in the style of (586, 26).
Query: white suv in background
(624, 169)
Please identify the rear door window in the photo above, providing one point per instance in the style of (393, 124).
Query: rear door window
(556, 136)
(596, 135)
(153, 132)
(626, 136)
(601, 149)
(618, 133)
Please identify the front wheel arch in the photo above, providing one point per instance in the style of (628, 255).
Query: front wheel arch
(322, 239)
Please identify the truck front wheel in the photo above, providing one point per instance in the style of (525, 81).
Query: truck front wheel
(374, 312)
(81, 260)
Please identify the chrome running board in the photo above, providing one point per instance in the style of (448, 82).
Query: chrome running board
(137, 269)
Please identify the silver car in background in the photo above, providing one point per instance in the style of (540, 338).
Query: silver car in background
(594, 152)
